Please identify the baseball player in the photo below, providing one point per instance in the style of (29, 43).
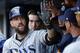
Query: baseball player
(25, 41)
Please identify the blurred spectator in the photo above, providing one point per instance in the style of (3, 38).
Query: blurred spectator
(67, 4)
(35, 22)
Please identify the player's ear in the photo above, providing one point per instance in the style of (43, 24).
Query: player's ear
(12, 24)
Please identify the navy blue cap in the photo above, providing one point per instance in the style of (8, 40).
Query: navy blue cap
(61, 17)
(16, 11)
(69, 15)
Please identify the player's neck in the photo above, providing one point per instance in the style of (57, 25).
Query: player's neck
(20, 37)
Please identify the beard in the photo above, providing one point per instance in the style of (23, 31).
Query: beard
(21, 30)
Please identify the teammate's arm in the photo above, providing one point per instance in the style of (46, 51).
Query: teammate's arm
(53, 37)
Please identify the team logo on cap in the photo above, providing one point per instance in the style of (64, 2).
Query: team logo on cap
(67, 19)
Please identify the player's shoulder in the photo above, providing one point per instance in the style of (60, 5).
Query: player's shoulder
(73, 47)
(7, 43)
(9, 40)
